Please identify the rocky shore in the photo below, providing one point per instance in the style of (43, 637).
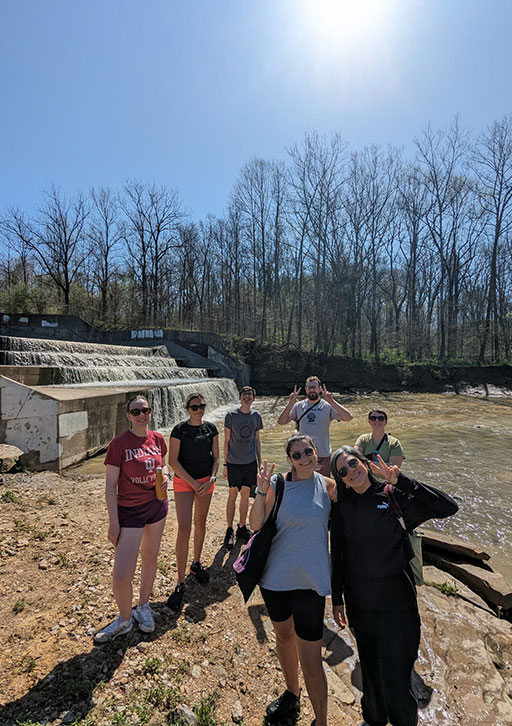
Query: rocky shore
(216, 660)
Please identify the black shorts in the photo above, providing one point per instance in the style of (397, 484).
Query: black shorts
(306, 606)
(242, 475)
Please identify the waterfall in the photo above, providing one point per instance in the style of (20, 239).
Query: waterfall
(90, 383)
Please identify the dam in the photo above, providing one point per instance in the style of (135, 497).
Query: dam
(63, 401)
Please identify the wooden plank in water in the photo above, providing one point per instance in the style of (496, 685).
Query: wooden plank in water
(485, 582)
(440, 541)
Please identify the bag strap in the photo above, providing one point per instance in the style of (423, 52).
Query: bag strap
(389, 491)
(305, 412)
(384, 438)
(279, 497)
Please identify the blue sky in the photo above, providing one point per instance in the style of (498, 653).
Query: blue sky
(184, 93)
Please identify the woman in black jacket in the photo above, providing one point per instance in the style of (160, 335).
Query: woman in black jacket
(370, 554)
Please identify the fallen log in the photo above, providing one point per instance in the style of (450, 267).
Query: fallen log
(439, 541)
(484, 581)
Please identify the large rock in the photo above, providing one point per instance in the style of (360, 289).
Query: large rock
(9, 455)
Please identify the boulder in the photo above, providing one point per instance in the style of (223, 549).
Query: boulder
(439, 541)
(483, 580)
(9, 455)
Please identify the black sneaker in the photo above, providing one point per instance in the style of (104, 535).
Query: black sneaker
(286, 707)
(175, 600)
(198, 570)
(229, 539)
(243, 533)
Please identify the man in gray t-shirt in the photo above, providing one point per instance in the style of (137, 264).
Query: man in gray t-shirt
(242, 456)
(313, 417)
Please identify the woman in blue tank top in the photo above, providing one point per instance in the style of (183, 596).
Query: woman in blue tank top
(296, 578)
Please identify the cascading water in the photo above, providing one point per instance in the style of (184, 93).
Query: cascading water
(90, 383)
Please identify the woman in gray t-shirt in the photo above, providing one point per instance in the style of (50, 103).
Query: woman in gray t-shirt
(296, 578)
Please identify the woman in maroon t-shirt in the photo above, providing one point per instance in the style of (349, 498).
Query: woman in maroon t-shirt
(136, 516)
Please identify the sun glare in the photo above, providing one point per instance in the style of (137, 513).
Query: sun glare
(347, 22)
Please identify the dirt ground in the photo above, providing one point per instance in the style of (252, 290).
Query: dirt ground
(217, 656)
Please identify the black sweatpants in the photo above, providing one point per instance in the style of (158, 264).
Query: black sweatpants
(383, 614)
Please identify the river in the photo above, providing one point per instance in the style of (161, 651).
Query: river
(458, 443)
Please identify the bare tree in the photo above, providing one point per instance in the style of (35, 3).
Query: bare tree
(151, 232)
(492, 161)
(104, 235)
(55, 237)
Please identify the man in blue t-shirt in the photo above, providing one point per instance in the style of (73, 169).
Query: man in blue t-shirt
(242, 456)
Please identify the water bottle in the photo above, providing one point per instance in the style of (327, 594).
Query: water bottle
(161, 493)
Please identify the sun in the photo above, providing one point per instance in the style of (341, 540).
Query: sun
(346, 22)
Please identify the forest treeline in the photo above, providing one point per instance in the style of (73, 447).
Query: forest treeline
(359, 253)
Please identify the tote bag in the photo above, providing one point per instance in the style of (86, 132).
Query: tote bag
(250, 563)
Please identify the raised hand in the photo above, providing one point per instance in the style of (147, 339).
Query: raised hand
(327, 395)
(389, 472)
(294, 394)
(264, 476)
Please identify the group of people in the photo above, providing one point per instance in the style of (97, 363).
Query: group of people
(366, 569)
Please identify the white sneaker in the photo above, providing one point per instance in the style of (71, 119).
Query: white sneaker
(144, 616)
(113, 630)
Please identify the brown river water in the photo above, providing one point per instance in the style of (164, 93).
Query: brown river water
(458, 443)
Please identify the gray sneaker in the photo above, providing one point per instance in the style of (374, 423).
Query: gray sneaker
(144, 616)
(113, 630)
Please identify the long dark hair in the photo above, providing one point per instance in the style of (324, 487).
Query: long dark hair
(349, 451)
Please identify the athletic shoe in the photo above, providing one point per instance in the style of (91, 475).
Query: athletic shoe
(286, 707)
(113, 630)
(243, 533)
(144, 616)
(198, 570)
(175, 600)
(229, 539)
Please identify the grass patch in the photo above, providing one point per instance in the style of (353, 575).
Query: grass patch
(163, 567)
(205, 710)
(151, 665)
(20, 525)
(40, 535)
(10, 497)
(162, 697)
(447, 588)
(27, 664)
(18, 606)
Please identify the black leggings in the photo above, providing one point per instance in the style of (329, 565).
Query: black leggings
(387, 636)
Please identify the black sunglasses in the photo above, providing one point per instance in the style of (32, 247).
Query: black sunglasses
(138, 411)
(377, 418)
(297, 455)
(197, 406)
(351, 464)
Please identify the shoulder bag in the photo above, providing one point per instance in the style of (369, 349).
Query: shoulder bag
(250, 563)
(416, 561)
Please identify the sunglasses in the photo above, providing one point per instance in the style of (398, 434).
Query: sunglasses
(377, 418)
(297, 455)
(197, 406)
(138, 411)
(351, 464)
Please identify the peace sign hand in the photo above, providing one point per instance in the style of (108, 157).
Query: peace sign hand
(264, 476)
(389, 472)
(327, 395)
(294, 394)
